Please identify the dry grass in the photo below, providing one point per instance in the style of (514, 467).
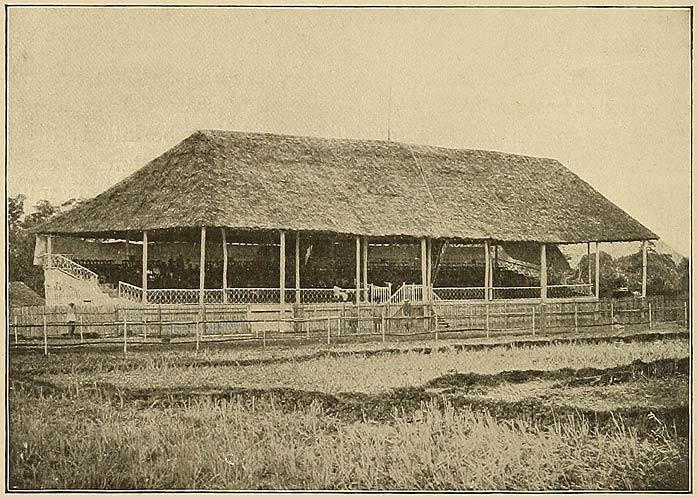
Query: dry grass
(229, 445)
(376, 373)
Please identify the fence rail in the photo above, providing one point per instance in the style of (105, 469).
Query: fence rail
(164, 323)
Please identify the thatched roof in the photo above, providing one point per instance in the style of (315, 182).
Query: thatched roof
(20, 295)
(375, 188)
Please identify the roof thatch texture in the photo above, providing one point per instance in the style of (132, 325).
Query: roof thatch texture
(20, 295)
(374, 188)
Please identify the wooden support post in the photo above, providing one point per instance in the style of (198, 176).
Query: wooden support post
(81, 336)
(429, 270)
(125, 334)
(487, 271)
(329, 330)
(202, 268)
(644, 257)
(225, 262)
(543, 272)
(366, 296)
(597, 269)
(358, 269)
(45, 336)
(533, 320)
(282, 280)
(650, 317)
(424, 270)
(144, 269)
(15, 323)
(486, 310)
(297, 267)
(145, 326)
(589, 264)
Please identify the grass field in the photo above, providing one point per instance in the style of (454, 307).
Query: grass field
(612, 414)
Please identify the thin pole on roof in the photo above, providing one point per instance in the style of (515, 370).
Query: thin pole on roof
(144, 278)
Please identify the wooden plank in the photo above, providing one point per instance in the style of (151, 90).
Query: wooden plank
(144, 278)
(429, 268)
(202, 268)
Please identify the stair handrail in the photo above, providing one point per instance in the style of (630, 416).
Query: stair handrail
(70, 267)
(130, 292)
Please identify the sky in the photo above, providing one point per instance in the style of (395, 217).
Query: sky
(95, 93)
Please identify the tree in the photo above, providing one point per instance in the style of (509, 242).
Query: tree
(21, 242)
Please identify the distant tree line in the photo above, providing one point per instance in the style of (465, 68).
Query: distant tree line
(20, 242)
(663, 276)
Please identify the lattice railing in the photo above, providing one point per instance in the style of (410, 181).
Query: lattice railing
(321, 295)
(130, 292)
(570, 291)
(515, 292)
(68, 266)
(459, 293)
(184, 296)
(253, 295)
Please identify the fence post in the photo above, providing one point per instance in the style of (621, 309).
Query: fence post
(383, 321)
(45, 335)
(685, 313)
(486, 311)
(263, 337)
(612, 314)
(145, 325)
(15, 321)
(533, 319)
(81, 325)
(329, 328)
(159, 319)
(435, 318)
(576, 318)
(198, 323)
(650, 317)
(125, 337)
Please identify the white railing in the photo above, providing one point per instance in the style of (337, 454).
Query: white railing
(407, 292)
(380, 294)
(130, 292)
(59, 261)
(458, 293)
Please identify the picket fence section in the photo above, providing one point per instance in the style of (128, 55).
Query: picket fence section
(151, 324)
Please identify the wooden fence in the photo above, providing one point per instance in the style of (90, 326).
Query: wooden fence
(144, 324)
